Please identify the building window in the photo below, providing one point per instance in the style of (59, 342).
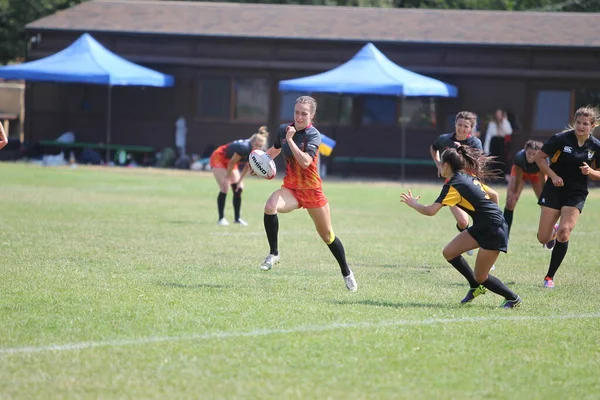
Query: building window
(334, 109)
(552, 110)
(286, 106)
(419, 112)
(251, 99)
(379, 110)
(215, 97)
(587, 97)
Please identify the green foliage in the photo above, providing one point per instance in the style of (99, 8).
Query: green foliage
(15, 14)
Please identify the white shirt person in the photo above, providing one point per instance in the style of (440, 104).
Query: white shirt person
(498, 127)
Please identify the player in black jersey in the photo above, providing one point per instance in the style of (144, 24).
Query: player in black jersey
(524, 170)
(574, 156)
(464, 124)
(464, 167)
(224, 165)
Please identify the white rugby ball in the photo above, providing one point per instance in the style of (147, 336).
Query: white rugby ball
(262, 164)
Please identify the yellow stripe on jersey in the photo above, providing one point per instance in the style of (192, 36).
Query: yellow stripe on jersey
(465, 204)
(452, 198)
(555, 156)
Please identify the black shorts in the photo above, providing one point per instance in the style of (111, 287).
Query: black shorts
(491, 238)
(559, 197)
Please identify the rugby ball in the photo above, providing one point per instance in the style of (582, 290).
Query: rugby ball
(262, 164)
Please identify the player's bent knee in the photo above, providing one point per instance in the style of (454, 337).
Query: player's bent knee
(563, 234)
(448, 253)
(481, 277)
(270, 208)
(326, 236)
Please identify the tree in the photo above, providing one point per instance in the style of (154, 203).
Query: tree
(15, 14)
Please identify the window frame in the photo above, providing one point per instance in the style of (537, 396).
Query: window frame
(535, 92)
(230, 118)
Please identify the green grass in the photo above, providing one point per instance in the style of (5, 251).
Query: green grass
(127, 270)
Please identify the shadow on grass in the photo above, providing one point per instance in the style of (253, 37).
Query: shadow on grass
(194, 286)
(425, 268)
(184, 222)
(409, 304)
(465, 284)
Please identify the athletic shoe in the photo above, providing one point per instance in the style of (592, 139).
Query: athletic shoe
(493, 267)
(550, 245)
(223, 222)
(470, 252)
(548, 282)
(241, 222)
(472, 293)
(270, 260)
(351, 282)
(512, 303)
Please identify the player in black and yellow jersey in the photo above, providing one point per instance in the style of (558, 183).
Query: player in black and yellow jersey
(464, 124)
(574, 156)
(464, 166)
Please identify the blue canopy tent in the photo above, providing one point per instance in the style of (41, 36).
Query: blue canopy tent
(371, 72)
(87, 61)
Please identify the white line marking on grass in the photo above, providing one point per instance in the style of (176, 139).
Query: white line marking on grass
(298, 329)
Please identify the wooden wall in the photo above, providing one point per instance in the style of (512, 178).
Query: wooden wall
(487, 78)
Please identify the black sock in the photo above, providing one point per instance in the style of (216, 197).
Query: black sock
(462, 266)
(558, 254)
(459, 228)
(495, 285)
(221, 204)
(237, 202)
(272, 228)
(508, 216)
(337, 249)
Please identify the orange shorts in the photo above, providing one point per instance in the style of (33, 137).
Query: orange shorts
(309, 198)
(533, 178)
(219, 160)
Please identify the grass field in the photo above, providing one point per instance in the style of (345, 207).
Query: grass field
(119, 284)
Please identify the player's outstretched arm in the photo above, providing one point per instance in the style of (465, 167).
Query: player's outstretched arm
(413, 202)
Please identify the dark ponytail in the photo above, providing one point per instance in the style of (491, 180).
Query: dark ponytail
(469, 160)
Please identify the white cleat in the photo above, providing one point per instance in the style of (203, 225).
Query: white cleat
(351, 282)
(223, 222)
(270, 260)
(470, 252)
(241, 222)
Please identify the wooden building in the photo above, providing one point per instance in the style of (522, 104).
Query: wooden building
(227, 60)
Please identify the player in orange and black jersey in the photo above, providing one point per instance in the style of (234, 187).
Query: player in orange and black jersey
(463, 167)
(299, 142)
(574, 156)
(524, 170)
(3, 137)
(224, 165)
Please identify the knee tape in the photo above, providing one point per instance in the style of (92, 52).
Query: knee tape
(331, 237)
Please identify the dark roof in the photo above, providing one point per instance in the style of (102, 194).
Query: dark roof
(328, 23)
